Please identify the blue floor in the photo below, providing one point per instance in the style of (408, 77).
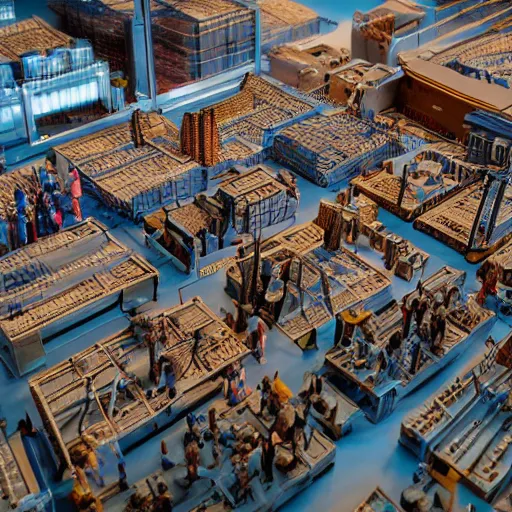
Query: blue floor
(370, 455)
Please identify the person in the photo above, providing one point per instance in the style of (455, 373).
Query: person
(21, 202)
(74, 186)
(408, 309)
(261, 342)
(26, 428)
(440, 327)
(165, 461)
(93, 463)
(268, 452)
(281, 391)
(243, 484)
(170, 380)
(163, 502)
(123, 479)
(488, 274)
(235, 389)
(419, 313)
(256, 336)
(192, 458)
(229, 319)
(193, 434)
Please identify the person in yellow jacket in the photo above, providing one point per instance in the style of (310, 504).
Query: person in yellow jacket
(281, 390)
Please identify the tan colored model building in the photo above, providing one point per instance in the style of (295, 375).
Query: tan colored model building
(306, 69)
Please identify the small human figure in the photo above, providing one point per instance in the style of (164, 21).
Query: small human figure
(229, 320)
(94, 464)
(164, 459)
(268, 452)
(26, 428)
(170, 381)
(488, 274)
(243, 484)
(408, 309)
(192, 458)
(20, 200)
(235, 389)
(193, 434)
(256, 330)
(74, 185)
(280, 390)
(420, 312)
(123, 479)
(163, 502)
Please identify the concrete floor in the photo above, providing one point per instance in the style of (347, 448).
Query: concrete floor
(370, 455)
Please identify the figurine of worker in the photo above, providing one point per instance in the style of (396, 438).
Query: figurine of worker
(256, 336)
(74, 186)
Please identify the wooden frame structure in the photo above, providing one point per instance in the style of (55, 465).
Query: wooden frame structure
(363, 383)
(51, 285)
(135, 166)
(464, 426)
(334, 146)
(198, 345)
(402, 187)
(319, 283)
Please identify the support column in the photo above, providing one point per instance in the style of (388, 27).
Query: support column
(496, 209)
(142, 52)
(150, 59)
(487, 185)
(253, 4)
(257, 40)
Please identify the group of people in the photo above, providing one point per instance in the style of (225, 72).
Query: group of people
(254, 327)
(33, 217)
(429, 314)
(88, 464)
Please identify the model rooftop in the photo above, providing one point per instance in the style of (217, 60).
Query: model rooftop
(31, 35)
(199, 10)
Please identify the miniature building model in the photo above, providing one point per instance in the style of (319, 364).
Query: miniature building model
(365, 88)
(246, 122)
(496, 276)
(398, 26)
(255, 199)
(330, 408)
(465, 426)
(305, 69)
(444, 83)
(285, 21)
(345, 223)
(19, 486)
(48, 80)
(192, 39)
(379, 364)
(52, 284)
(415, 182)
(135, 166)
(188, 337)
(295, 467)
(476, 221)
(317, 283)
(489, 140)
(487, 58)
(331, 147)
(246, 203)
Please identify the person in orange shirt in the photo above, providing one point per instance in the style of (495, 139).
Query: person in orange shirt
(74, 186)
